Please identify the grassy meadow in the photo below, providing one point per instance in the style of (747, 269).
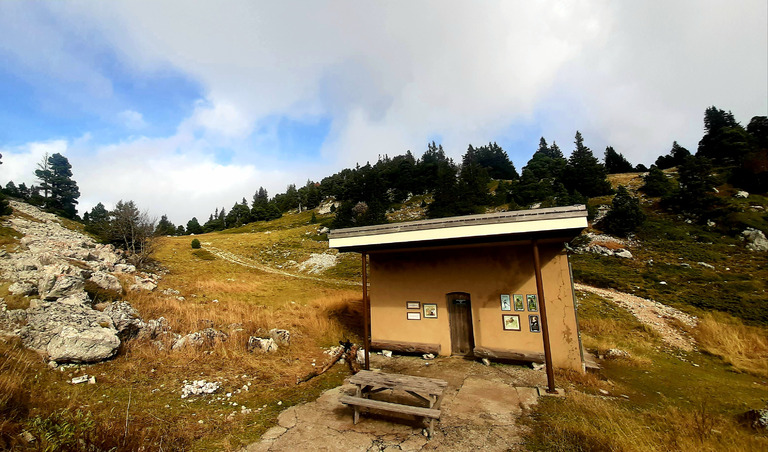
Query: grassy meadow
(658, 398)
(136, 401)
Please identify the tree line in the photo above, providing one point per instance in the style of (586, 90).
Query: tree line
(484, 177)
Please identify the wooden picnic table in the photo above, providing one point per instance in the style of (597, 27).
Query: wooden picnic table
(425, 390)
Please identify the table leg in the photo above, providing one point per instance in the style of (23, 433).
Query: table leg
(356, 416)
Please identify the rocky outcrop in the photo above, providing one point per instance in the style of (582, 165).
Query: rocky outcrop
(281, 337)
(125, 319)
(261, 345)
(206, 337)
(106, 281)
(58, 265)
(755, 239)
(66, 332)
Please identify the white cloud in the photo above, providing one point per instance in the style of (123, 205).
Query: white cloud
(389, 76)
(132, 119)
(20, 163)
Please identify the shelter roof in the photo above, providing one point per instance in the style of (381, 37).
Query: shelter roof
(561, 222)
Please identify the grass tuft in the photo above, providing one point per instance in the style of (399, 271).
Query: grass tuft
(744, 347)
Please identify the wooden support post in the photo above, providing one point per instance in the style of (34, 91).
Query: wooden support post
(544, 326)
(366, 314)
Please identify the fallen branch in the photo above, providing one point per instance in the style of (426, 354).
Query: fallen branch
(348, 351)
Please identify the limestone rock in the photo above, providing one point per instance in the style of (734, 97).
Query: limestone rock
(616, 353)
(125, 268)
(154, 328)
(207, 337)
(125, 318)
(143, 283)
(83, 346)
(757, 419)
(76, 298)
(47, 321)
(281, 337)
(106, 281)
(23, 288)
(261, 344)
(756, 240)
(625, 254)
(63, 285)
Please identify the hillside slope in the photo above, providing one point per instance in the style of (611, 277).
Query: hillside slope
(245, 282)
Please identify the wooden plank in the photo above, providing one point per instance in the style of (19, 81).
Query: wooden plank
(400, 382)
(516, 355)
(388, 406)
(406, 347)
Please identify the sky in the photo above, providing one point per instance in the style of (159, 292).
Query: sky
(184, 106)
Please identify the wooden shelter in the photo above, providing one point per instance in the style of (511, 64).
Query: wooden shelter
(494, 285)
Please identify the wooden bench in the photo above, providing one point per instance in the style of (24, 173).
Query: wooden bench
(429, 390)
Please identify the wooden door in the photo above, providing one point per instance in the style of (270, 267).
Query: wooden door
(460, 319)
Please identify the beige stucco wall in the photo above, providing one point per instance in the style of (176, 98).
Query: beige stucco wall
(485, 272)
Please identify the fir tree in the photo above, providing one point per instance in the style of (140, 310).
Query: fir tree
(193, 226)
(5, 207)
(625, 216)
(61, 192)
(616, 162)
(656, 183)
(584, 173)
(676, 157)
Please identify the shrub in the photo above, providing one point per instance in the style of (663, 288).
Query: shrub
(195, 244)
(625, 215)
(656, 183)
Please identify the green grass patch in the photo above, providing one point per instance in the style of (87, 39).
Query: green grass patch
(9, 236)
(667, 267)
(204, 255)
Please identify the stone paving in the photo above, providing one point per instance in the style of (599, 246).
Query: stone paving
(479, 412)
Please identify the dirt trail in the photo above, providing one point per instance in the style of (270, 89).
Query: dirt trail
(652, 313)
(250, 263)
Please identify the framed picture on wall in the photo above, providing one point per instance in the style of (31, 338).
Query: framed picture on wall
(414, 316)
(505, 303)
(533, 324)
(511, 322)
(412, 304)
(519, 303)
(430, 311)
(533, 303)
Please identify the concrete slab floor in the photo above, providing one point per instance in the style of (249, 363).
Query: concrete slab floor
(479, 412)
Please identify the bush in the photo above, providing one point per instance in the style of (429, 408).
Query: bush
(195, 244)
(625, 215)
(656, 183)
(5, 208)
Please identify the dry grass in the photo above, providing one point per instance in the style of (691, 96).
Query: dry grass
(136, 402)
(744, 347)
(583, 422)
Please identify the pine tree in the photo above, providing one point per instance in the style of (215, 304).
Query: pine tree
(193, 226)
(98, 221)
(656, 183)
(60, 191)
(695, 195)
(5, 207)
(165, 227)
(496, 162)
(616, 162)
(584, 173)
(540, 176)
(725, 141)
(625, 216)
(676, 157)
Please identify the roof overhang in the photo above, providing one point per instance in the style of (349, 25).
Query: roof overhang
(561, 222)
